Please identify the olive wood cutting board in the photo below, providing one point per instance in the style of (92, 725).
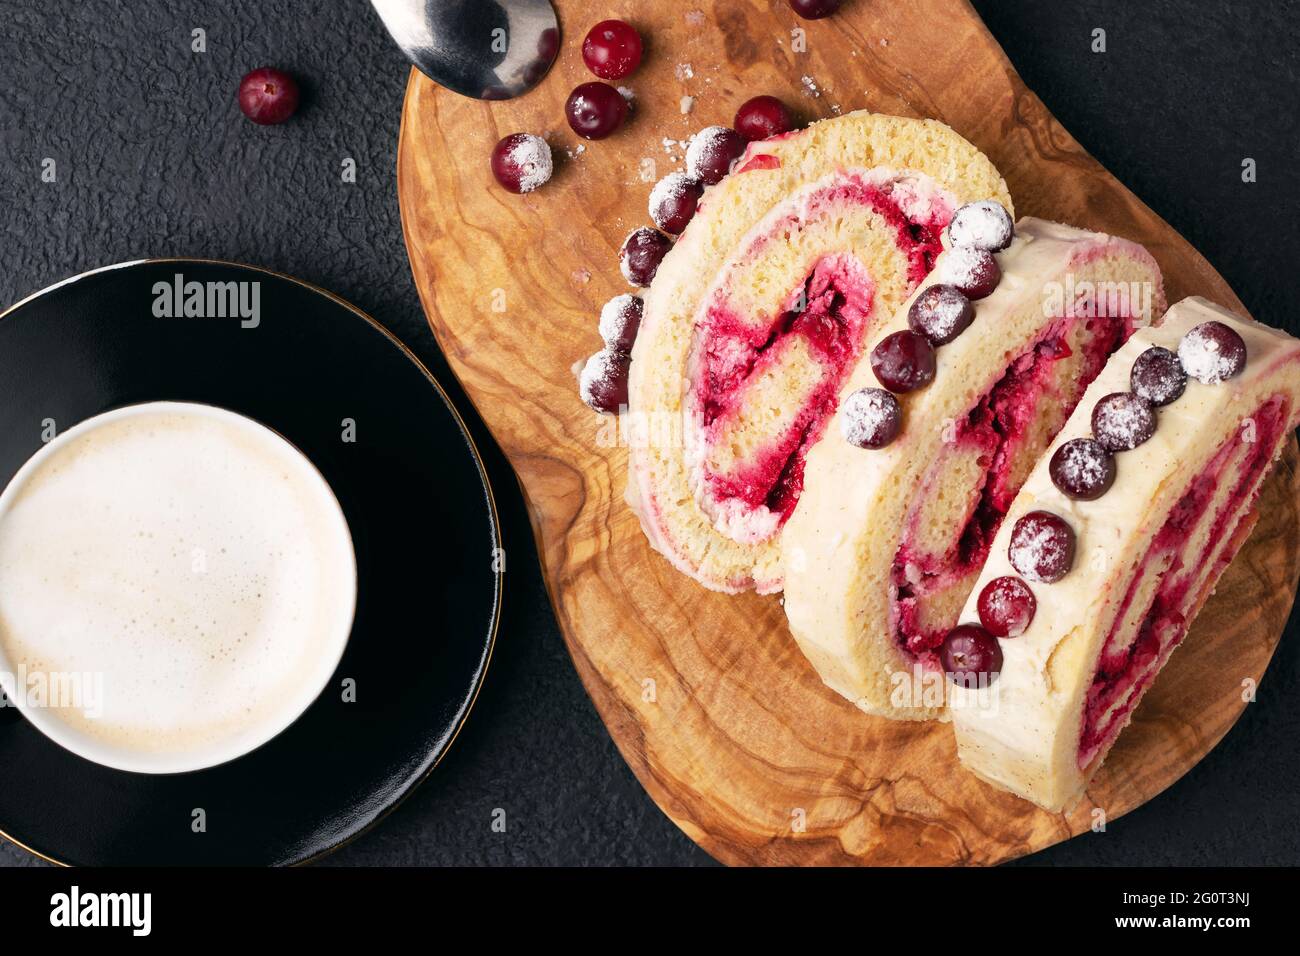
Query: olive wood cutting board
(710, 702)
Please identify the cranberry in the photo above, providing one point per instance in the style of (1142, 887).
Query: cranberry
(612, 49)
(1083, 469)
(620, 321)
(972, 270)
(1042, 547)
(985, 225)
(595, 110)
(603, 381)
(1158, 376)
(711, 153)
(970, 656)
(521, 162)
(268, 96)
(1121, 421)
(940, 313)
(903, 361)
(814, 9)
(1212, 353)
(871, 418)
(1006, 606)
(673, 202)
(641, 254)
(761, 117)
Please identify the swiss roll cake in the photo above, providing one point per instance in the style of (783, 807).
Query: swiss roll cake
(964, 388)
(1113, 545)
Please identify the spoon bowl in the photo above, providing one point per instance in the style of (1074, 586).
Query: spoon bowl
(486, 49)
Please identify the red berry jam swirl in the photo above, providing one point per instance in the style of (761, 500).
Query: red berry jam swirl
(819, 333)
(994, 448)
(1197, 541)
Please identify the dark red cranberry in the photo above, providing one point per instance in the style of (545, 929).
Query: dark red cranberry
(941, 313)
(673, 202)
(761, 117)
(985, 225)
(603, 381)
(970, 656)
(871, 418)
(972, 270)
(612, 49)
(641, 254)
(1158, 376)
(1212, 353)
(1006, 606)
(815, 9)
(521, 162)
(1082, 469)
(268, 96)
(1121, 421)
(620, 321)
(711, 153)
(903, 361)
(1042, 547)
(595, 110)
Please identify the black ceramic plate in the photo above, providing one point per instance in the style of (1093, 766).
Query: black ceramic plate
(423, 524)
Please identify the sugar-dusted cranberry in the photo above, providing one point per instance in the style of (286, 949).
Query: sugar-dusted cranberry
(642, 251)
(1121, 421)
(595, 110)
(673, 202)
(940, 313)
(903, 361)
(521, 162)
(1212, 352)
(1158, 376)
(711, 153)
(1042, 547)
(972, 270)
(871, 418)
(1006, 606)
(971, 656)
(620, 321)
(761, 117)
(268, 96)
(612, 49)
(603, 381)
(1082, 469)
(985, 225)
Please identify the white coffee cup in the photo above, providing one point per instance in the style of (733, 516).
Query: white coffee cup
(177, 585)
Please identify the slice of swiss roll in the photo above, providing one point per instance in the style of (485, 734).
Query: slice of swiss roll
(758, 314)
(934, 437)
(1115, 542)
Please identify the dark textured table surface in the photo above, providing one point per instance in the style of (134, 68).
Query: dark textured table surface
(153, 159)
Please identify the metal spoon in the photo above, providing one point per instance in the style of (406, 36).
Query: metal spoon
(488, 49)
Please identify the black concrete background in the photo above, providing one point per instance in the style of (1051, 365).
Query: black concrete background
(155, 160)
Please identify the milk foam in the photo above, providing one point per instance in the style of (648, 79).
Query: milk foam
(192, 557)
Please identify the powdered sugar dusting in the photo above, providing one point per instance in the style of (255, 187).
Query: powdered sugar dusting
(666, 196)
(1082, 464)
(532, 155)
(1041, 547)
(965, 266)
(984, 224)
(620, 320)
(705, 145)
(602, 383)
(870, 418)
(1212, 353)
(1121, 421)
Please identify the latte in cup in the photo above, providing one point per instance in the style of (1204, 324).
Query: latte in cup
(177, 585)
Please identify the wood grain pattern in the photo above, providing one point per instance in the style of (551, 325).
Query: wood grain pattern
(740, 743)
